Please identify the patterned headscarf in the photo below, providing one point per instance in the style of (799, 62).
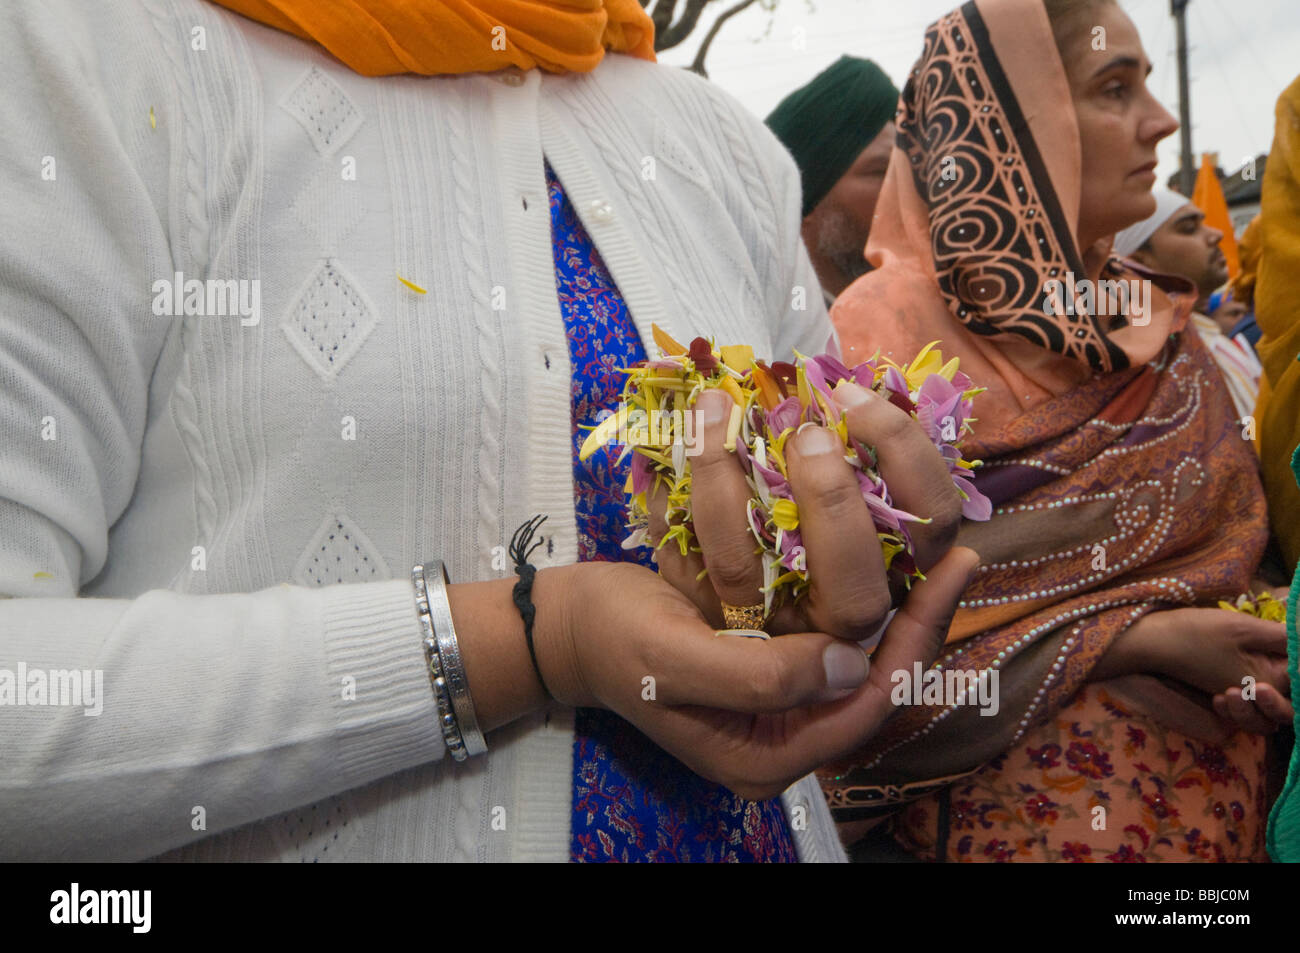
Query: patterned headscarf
(979, 211)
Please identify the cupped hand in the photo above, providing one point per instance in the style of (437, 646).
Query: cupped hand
(754, 715)
(848, 596)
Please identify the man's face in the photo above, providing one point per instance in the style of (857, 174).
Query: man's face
(1185, 245)
(837, 228)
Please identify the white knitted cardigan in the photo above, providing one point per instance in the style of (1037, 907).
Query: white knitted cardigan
(206, 480)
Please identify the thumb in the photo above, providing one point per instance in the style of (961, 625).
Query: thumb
(918, 630)
(915, 633)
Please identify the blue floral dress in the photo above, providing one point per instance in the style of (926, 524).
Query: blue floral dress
(632, 801)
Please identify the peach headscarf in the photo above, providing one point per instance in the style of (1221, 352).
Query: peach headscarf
(435, 37)
(979, 210)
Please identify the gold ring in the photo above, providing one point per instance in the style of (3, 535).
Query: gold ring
(743, 617)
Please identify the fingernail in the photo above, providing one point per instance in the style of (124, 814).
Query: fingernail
(848, 394)
(846, 666)
(817, 440)
(714, 407)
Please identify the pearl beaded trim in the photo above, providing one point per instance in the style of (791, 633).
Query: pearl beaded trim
(1131, 518)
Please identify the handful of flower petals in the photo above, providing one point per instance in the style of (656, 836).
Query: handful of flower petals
(769, 404)
(1262, 606)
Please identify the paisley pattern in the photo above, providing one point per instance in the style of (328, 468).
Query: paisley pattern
(997, 229)
(632, 801)
(1132, 492)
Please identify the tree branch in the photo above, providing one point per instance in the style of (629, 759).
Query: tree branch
(697, 65)
(669, 34)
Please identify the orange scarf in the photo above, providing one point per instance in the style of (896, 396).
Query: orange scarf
(382, 37)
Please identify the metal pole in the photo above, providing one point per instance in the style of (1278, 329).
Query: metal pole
(1186, 174)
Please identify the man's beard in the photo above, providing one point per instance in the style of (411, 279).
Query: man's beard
(841, 241)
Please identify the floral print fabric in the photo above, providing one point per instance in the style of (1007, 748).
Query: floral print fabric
(632, 801)
(1163, 796)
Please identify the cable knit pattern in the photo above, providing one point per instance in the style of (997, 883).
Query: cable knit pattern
(490, 461)
(253, 685)
(757, 190)
(597, 118)
(185, 416)
(174, 36)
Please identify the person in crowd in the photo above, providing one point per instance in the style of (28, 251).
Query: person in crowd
(1275, 261)
(1226, 310)
(238, 511)
(1276, 289)
(1176, 241)
(1112, 724)
(840, 130)
(1242, 287)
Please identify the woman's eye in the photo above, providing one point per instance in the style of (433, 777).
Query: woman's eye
(1116, 91)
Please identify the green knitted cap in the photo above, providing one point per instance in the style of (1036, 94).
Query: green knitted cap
(828, 123)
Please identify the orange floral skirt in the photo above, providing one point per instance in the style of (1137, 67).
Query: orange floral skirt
(1103, 781)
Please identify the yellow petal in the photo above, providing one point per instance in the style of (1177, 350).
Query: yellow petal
(785, 514)
(949, 369)
(732, 388)
(665, 341)
(801, 389)
(603, 433)
(889, 551)
(412, 285)
(738, 357)
(41, 575)
(655, 456)
(153, 122)
(922, 354)
(733, 427)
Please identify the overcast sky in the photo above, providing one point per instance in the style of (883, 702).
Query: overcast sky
(1243, 53)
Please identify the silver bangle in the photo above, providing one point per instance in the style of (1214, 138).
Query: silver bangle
(464, 719)
(441, 696)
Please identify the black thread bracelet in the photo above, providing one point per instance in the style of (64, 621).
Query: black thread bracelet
(521, 547)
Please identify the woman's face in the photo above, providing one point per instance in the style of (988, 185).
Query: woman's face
(1120, 123)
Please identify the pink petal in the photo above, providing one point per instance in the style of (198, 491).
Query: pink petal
(642, 473)
(784, 416)
(976, 506)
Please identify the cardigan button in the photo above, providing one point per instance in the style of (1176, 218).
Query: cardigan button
(601, 211)
(512, 77)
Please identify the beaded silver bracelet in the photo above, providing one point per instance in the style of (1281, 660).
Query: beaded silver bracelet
(456, 714)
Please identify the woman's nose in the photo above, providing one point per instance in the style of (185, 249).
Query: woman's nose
(1160, 124)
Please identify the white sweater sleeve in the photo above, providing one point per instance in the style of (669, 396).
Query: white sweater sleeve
(215, 710)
